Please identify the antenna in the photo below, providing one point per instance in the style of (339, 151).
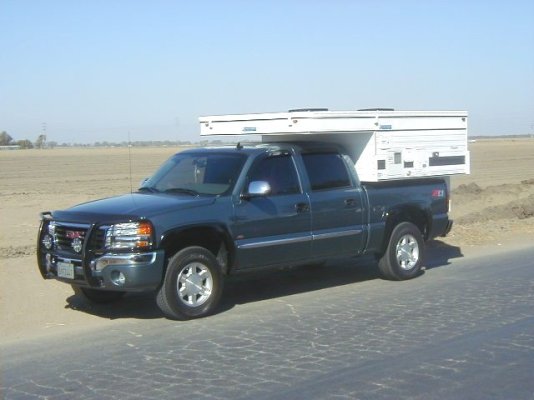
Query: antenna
(130, 160)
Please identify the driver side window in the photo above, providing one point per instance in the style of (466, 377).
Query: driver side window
(279, 172)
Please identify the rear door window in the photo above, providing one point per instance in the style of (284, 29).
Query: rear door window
(326, 171)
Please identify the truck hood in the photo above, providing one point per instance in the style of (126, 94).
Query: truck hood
(130, 207)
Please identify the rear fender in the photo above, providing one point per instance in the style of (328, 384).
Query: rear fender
(420, 217)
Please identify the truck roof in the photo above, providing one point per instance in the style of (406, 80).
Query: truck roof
(256, 148)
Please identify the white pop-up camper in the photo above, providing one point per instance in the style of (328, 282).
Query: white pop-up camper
(384, 144)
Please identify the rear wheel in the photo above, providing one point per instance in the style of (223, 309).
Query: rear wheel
(404, 254)
(192, 285)
(97, 296)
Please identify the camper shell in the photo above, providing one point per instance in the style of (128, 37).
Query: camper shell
(384, 144)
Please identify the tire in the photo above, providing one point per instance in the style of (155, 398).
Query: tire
(98, 296)
(404, 254)
(192, 285)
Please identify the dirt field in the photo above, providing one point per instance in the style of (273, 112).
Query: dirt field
(492, 206)
(495, 203)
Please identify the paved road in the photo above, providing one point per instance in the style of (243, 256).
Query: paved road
(463, 330)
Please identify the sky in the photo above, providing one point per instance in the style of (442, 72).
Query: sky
(103, 70)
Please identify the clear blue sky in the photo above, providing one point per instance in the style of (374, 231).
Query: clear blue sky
(96, 70)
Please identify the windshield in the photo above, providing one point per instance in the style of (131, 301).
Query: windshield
(196, 174)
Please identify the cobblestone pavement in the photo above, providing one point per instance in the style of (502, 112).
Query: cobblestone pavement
(464, 329)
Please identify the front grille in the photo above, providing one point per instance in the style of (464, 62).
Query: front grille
(98, 239)
(69, 238)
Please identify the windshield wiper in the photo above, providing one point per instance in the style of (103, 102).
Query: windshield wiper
(190, 192)
(148, 189)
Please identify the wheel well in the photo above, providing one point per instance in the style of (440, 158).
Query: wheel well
(415, 215)
(214, 239)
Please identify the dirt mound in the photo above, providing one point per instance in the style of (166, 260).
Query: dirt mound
(524, 209)
(517, 209)
(471, 188)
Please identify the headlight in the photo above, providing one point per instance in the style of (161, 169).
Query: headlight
(130, 235)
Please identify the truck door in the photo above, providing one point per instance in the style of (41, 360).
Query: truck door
(274, 228)
(337, 207)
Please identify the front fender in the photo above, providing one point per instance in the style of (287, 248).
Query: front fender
(207, 235)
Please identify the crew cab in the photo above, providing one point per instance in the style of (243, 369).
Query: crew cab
(210, 212)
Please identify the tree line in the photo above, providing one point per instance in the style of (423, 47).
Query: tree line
(41, 142)
(7, 140)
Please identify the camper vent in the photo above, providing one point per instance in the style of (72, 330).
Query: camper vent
(376, 109)
(308, 109)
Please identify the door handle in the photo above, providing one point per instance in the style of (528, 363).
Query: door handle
(349, 203)
(302, 207)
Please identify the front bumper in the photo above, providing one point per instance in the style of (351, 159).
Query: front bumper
(76, 255)
(132, 272)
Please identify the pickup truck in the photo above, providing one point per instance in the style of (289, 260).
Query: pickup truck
(211, 212)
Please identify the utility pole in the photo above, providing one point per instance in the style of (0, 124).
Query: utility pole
(177, 125)
(41, 140)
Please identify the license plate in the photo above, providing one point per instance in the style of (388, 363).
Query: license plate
(65, 270)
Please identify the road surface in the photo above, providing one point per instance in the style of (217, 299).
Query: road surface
(464, 329)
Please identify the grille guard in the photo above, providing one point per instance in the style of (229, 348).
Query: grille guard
(87, 254)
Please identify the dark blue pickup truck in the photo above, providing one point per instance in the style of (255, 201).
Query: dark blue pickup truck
(211, 212)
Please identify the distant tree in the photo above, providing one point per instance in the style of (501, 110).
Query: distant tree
(25, 144)
(5, 139)
(40, 142)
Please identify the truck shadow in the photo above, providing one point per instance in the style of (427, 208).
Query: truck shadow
(135, 305)
(257, 286)
(263, 285)
(439, 254)
(268, 284)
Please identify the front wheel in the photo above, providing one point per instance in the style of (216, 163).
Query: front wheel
(192, 285)
(404, 254)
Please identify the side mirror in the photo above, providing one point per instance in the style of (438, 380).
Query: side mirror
(257, 189)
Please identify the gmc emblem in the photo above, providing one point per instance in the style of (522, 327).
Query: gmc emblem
(438, 193)
(74, 235)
